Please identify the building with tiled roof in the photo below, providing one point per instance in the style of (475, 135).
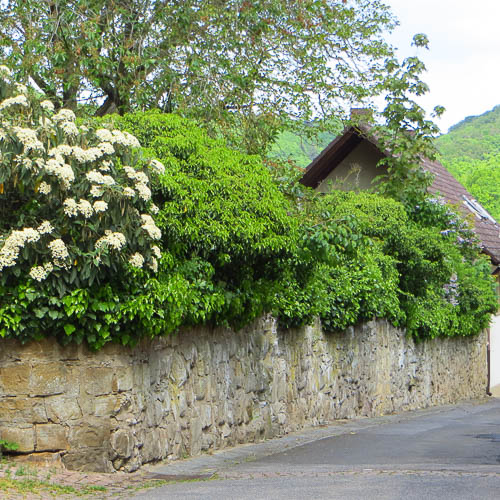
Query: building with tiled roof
(350, 162)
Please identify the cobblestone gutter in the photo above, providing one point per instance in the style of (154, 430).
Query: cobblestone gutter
(208, 389)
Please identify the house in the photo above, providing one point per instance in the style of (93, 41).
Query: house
(350, 162)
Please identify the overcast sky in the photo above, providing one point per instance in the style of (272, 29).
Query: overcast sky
(463, 63)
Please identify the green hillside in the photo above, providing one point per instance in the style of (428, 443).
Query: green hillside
(300, 149)
(471, 152)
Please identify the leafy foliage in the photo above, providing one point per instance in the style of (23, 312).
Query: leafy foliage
(248, 67)
(234, 244)
(53, 240)
(471, 152)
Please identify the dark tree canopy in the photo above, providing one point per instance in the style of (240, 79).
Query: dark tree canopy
(248, 66)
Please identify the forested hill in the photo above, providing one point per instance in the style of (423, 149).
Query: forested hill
(471, 152)
(300, 149)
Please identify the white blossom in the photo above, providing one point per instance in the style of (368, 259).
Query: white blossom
(59, 252)
(61, 170)
(148, 224)
(29, 139)
(106, 148)
(158, 166)
(100, 206)
(69, 128)
(64, 115)
(19, 100)
(47, 105)
(97, 178)
(39, 273)
(104, 135)
(156, 251)
(70, 207)
(22, 89)
(154, 265)
(45, 227)
(44, 188)
(128, 192)
(135, 175)
(85, 208)
(13, 244)
(5, 71)
(96, 191)
(144, 191)
(154, 209)
(136, 260)
(132, 141)
(112, 240)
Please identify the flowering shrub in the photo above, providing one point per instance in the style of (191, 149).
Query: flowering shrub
(75, 202)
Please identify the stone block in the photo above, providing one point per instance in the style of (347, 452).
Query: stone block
(106, 406)
(88, 460)
(98, 381)
(48, 378)
(14, 379)
(62, 409)
(123, 379)
(122, 443)
(51, 437)
(24, 437)
(89, 435)
(22, 410)
(195, 438)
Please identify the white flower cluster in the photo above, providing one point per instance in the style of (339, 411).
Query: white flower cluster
(19, 100)
(86, 155)
(156, 251)
(154, 265)
(53, 174)
(96, 191)
(104, 135)
(115, 240)
(69, 129)
(61, 170)
(44, 188)
(141, 180)
(39, 273)
(29, 139)
(100, 206)
(148, 224)
(9, 253)
(125, 139)
(64, 115)
(98, 178)
(45, 227)
(136, 260)
(106, 148)
(72, 208)
(85, 208)
(157, 166)
(4, 71)
(128, 192)
(59, 252)
(105, 166)
(47, 106)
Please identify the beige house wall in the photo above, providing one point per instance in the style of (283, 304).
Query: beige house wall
(356, 171)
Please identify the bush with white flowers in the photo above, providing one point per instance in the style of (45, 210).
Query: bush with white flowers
(75, 202)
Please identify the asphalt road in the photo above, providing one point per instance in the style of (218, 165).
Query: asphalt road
(446, 453)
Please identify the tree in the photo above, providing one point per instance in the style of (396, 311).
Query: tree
(249, 66)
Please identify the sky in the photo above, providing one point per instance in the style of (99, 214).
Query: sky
(463, 60)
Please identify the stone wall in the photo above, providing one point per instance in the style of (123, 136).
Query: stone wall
(207, 389)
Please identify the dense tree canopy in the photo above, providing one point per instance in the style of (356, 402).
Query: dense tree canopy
(249, 66)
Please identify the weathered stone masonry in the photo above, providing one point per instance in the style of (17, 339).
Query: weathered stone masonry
(207, 389)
